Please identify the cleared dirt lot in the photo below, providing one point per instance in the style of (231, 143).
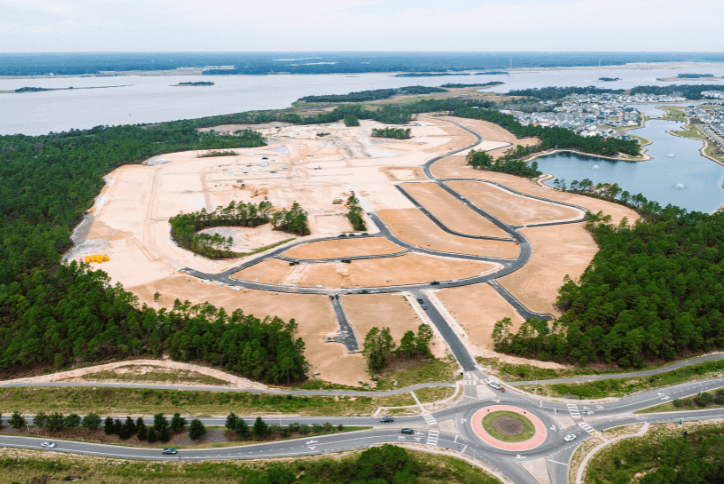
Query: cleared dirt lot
(454, 167)
(493, 132)
(393, 311)
(328, 249)
(477, 308)
(451, 211)
(557, 251)
(512, 208)
(313, 314)
(406, 269)
(414, 227)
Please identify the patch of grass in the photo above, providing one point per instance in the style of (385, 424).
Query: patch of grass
(434, 394)
(618, 387)
(690, 131)
(135, 373)
(699, 401)
(412, 372)
(137, 401)
(673, 113)
(37, 466)
(512, 373)
(522, 437)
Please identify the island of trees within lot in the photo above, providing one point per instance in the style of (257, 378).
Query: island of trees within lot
(653, 292)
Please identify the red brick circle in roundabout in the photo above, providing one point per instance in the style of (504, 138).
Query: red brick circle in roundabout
(538, 438)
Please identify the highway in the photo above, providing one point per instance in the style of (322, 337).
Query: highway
(582, 418)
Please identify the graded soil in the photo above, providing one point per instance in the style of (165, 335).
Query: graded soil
(511, 208)
(557, 251)
(414, 227)
(477, 308)
(351, 247)
(406, 269)
(452, 212)
(455, 167)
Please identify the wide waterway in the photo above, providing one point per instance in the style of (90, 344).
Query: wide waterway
(676, 175)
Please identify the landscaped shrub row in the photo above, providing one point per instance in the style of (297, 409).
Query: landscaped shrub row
(263, 431)
(704, 399)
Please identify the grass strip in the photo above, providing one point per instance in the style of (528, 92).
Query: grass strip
(139, 401)
(522, 437)
(618, 387)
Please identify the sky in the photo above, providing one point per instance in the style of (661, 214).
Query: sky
(360, 25)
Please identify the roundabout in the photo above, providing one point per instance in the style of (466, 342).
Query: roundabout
(508, 428)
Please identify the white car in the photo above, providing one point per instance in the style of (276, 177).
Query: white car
(494, 385)
(569, 437)
(49, 445)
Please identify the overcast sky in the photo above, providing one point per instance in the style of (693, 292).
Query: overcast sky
(377, 25)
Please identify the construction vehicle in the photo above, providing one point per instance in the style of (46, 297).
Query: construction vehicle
(97, 258)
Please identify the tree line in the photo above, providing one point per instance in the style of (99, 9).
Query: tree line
(355, 214)
(379, 346)
(372, 95)
(652, 292)
(185, 226)
(260, 430)
(688, 91)
(397, 133)
(507, 164)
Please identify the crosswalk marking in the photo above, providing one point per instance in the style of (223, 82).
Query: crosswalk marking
(573, 409)
(429, 419)
(587, 428)
(432, 437)
(470, 382)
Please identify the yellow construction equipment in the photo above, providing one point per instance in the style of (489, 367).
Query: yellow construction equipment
(97, 258)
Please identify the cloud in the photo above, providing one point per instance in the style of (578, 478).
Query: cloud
(418, 25)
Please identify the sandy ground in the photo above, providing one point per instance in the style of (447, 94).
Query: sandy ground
(404, 174)
(247, 239)
(312, 313)
(328, 249)
(415, 228)
(156, 365)
(406, 269)
(452, 212)
(392, 311)
(492, 132)
(557, 251)
(477, 308)
(511, 208)
(454, 167)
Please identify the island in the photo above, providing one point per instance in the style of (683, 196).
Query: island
(26, 89)
(608, 79)
(686, 77)
(197, 83)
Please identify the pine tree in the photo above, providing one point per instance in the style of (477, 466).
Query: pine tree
(164, 435)
(17, 421)
(231, 421)
(178, 423)
(109, 428)
(196, 430)
(141, 431)
(241, 428)
(261, 428)
(152, 437)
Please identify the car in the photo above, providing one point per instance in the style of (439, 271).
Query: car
(435, 283)
(419, 300)
(494, 385)
(407, 431)
(587, 412)
(569, 437)
(170, 451)
(424, 308)
(48, 445)
(387, 419)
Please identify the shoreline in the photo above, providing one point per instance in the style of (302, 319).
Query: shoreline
(198, 71)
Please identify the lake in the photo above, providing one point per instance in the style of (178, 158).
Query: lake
(678, 174)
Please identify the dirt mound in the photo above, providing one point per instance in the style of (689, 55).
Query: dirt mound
(508, 425)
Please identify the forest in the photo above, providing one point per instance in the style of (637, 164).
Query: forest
(379, 346)
(185, 226)
(481, 84)
(53, 314)
(652, 292)
(361, 96)
(396, 133)
(554, 93)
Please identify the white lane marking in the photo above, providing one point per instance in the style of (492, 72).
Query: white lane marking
(432, 437)
(554, 462)
(573, 409)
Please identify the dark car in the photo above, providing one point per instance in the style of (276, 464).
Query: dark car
(424, 308)
(434, 283)
(419, 300)
(387, 419)
(408, 431)
(170, 451)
